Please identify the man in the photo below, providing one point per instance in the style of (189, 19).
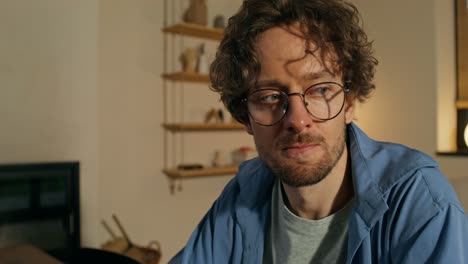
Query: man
(321, 191)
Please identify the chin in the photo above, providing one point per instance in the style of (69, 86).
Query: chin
(302, 170)
(301, 175)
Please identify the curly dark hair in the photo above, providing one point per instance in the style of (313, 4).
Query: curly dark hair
(331, 25)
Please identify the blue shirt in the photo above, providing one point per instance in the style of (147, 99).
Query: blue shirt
(405, 211)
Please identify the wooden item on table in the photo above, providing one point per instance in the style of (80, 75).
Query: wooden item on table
(150, 254)
(117, 245)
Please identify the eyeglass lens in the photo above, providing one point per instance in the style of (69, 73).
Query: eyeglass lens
(324, 101)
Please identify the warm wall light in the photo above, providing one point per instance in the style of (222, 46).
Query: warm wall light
(462, 129)
(466, 135)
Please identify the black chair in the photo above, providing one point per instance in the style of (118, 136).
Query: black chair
(93, 255)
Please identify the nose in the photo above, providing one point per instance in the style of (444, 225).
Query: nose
(297, 117)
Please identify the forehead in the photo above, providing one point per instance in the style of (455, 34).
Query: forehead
(287, 49)
(289, 38)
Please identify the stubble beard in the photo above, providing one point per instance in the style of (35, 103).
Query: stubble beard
(299, 173)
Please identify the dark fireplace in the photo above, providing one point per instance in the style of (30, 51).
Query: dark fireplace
(39, 206)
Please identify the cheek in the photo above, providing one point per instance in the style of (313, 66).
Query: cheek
(263, 136)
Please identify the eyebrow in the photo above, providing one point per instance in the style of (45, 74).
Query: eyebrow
(270, 83)
(315, 75)
(278, 84)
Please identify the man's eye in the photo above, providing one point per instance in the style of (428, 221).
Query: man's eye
(320, 91)
(266, 97)
(270, 98)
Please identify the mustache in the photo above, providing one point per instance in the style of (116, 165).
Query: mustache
(288, 140)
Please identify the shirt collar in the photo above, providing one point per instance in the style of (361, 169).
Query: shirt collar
(376, 167)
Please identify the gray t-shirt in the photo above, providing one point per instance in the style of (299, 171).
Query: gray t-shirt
(292, 239)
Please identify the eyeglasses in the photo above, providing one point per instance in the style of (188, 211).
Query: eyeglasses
(323, 101)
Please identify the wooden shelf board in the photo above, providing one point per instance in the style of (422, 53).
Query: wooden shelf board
(453, 153)
(195, 30)
(194, 173)
(186, 77)
(462, 104)
(178, 127)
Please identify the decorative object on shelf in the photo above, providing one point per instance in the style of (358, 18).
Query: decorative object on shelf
(194, 166)
(202, 62)
(150, 254)
(218, 22)
(216, 115)
(188, 59)
(219, 159)
(221, 115)
(196, 13)
(242, 154)
(194, 70)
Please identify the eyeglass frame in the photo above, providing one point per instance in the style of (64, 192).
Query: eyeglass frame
(302, 95)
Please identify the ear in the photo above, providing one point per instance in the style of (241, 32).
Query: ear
(248, 127)
(349, 109)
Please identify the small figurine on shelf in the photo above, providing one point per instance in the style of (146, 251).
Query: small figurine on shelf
(190, 166)
(221, 115)
(218, 21)
(210, 115)
(196, 13)
(242, 154)
(216, 115)
(202, 63)
(219, 159)
(188, 59)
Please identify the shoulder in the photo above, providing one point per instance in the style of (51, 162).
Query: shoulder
(425, 215)
(424, 200)
(426, 190)
(249, 184)
(384, 164)
(409, 181)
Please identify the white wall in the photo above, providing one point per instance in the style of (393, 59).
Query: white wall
(79, 80)
(400, 110)
(48, 90)
(414, 100)
(131, 139)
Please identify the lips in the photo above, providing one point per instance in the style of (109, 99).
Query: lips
(300, 148)
(299, 144)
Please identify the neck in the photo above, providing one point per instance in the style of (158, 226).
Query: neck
(325, 197)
